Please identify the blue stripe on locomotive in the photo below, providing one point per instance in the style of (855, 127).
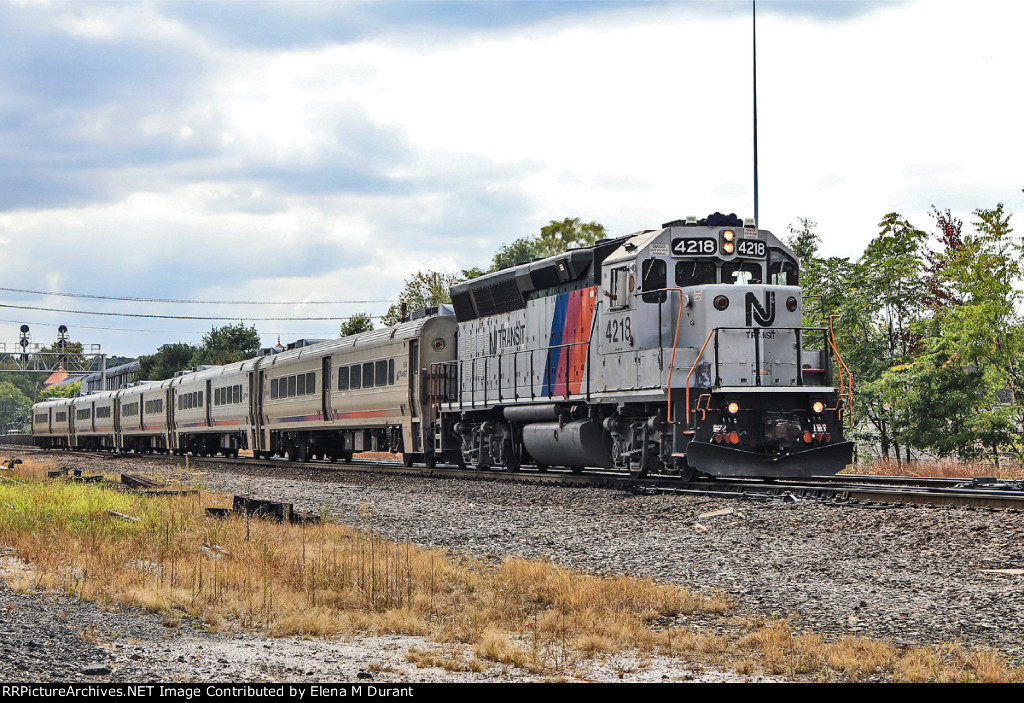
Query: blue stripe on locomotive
(554, 350)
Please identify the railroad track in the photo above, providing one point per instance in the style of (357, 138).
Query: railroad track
(844, 489)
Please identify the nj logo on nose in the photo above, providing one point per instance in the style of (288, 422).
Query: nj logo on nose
(763, 316)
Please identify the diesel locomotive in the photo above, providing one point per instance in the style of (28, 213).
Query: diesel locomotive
(677, 351)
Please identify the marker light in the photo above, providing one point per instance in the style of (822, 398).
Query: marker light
(734, 408)
(818, 406)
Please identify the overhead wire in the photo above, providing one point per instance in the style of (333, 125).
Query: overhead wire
(178, 317)
(134, 329)
(139, 299)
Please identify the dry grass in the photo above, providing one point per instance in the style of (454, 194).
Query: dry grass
(329, 579)
(939, 469)
(448, 658)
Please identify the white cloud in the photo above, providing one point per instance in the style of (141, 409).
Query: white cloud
(334, 171)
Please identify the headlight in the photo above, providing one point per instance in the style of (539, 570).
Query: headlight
(727, 241)
(818, 407)
(721, 302)
(734, 408)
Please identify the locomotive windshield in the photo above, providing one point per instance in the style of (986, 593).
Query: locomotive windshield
(741, 272)
(781, 269)
(696, 273)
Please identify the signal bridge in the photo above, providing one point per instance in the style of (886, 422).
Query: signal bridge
(26, 356)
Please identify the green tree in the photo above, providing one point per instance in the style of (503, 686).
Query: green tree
(68, 390)
(554, 238)
(168, 359)
(425, 289)
(15, 407)
(977, 326)
(804, 241)
(891, 286)
(227, 345)
(69, 358)
(429, 288)
(359, 322)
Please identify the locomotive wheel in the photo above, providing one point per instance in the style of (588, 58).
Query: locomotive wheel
(638, 472)
(686, 472)
(408, 459)
(430, 460)
(542, 468)
(346, 457)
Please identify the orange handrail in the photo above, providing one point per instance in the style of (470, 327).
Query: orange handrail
(675, 343)
(843, 391)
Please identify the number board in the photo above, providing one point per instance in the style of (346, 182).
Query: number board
(694, 246)
(750, 247)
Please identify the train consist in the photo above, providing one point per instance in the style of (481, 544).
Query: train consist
(674, 351)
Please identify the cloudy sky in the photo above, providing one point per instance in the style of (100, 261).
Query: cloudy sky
(325, 151)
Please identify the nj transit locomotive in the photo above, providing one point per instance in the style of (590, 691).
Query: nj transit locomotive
(671, 351)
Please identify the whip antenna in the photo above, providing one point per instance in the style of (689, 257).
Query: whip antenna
(754, 8)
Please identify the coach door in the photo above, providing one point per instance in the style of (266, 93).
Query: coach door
(208, 405)
(414, 376)
(325, 389)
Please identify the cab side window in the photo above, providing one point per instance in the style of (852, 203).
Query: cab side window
(619, 285)
(652, 278)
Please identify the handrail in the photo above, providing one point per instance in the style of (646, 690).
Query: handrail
(849, 376)
(675, 343)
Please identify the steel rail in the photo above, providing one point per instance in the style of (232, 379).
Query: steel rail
(857, 490)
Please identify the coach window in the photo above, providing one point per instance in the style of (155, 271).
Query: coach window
(273, 389)
(391, 372)
(311, 383)
(696, 273)
(342, 378)
(380, 373)
(781, 269)
(355, 376)
(300, 384)
(652, 277)
(237, 394)
(368, 374)
(741, 272)
(291, 386)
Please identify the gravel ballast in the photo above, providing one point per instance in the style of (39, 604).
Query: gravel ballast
(905, 574)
